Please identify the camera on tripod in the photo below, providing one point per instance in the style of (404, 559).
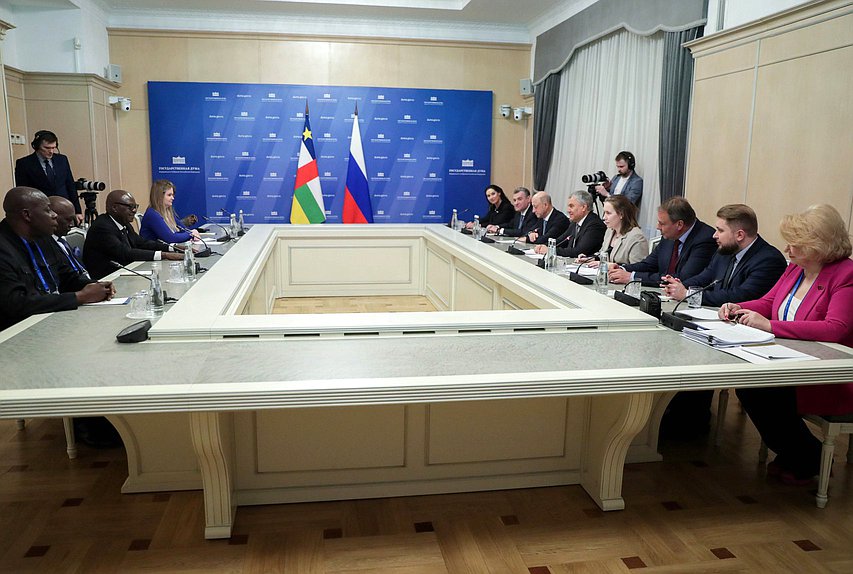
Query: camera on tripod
(594, 178)
(89, 196)
(84, 184)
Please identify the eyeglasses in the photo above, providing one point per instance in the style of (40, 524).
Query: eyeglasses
(131, 206)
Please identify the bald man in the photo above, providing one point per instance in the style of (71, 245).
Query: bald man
(112, 238)
(32, 280)
(66, 218)
(550, 222)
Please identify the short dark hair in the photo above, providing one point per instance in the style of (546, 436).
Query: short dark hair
(740, 216)
(679, 209)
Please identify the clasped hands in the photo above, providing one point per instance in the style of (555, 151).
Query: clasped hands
(736, 314)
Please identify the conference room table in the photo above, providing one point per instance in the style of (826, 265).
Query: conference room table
(69, 364)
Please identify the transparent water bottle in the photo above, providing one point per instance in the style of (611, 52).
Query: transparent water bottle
(234, 227)
(157, 298)
(189, 261)
(454, 221)
(601, 277)
(241, 226)
(551, 255)
(476, 230)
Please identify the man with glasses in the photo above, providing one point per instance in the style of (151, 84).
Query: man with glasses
(112, 238)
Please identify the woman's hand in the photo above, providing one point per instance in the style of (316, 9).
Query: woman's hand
(752, 319)
(726, 312)
(194, 235)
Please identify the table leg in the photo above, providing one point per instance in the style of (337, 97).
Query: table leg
(212, 441)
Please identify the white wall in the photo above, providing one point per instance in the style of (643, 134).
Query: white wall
(725, 14)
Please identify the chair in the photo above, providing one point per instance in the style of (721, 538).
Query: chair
(831, 427)
(76, 238)
(653, 242)
(70, 441)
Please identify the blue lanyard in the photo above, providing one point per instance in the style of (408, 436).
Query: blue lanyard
(71, 259)
(36, 267)
(791, 298)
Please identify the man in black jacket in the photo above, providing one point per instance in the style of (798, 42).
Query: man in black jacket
(551, 222)
(112, 238)
(48, 170)
(524, 219)
(32, 279)
(586, 230)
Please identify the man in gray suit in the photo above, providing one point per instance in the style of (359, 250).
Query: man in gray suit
(626, 181)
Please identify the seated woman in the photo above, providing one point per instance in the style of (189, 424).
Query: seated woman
(624, 241)
(500, 209)
(812, 301)
(159, 221)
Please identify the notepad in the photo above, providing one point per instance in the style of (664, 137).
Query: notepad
(778, 352)
(729, 336)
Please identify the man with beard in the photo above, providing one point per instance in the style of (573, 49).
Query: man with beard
(745, 265)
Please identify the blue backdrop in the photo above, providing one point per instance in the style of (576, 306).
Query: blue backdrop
(229, 147)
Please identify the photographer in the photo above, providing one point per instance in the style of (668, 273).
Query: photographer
(626, 182)
(48, 171)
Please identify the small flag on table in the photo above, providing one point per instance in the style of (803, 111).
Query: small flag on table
(357, 207)
(307, 206)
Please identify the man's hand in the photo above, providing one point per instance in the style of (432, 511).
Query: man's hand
(95, 293)
(492, 229)
(171, 256)
(189, 220)
(674, 288)
(541, 249)
(602, 191)
(618, 275)
(79, 217)
(532, 237)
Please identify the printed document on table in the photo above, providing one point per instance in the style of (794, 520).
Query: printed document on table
(731, 335)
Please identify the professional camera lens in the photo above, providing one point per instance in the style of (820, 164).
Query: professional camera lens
(85, 185)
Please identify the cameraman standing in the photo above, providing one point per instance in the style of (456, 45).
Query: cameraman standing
(626, 182)
(48, 171)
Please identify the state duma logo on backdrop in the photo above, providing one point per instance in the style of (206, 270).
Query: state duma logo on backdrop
(215, 97)
(466, 167)
(178, 165)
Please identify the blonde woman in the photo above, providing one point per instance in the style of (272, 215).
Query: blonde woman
(159, 221)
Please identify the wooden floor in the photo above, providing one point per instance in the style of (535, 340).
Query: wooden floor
(701, 510)
(366, 304)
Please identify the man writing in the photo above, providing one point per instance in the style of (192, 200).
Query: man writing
(524, 219)
(684, 251)
(550, 223)
(626, 182)
(32, 280)
(585, 232)
(48, 171)
(112, 238)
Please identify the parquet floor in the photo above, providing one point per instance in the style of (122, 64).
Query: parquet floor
(352, 304)
(701, 510)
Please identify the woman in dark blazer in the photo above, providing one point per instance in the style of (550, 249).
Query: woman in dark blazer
(500, 211)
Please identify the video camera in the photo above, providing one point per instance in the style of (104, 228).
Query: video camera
(594, 179)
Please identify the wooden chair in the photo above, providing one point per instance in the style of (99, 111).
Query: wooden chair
(831, 427)
(70, 441)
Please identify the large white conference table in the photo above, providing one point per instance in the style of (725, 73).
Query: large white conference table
(520, 379)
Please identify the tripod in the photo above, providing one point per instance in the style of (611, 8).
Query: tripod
(89, 198)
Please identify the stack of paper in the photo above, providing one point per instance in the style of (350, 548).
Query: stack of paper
(730, 335)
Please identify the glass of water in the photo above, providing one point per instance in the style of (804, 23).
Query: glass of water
(694, 297)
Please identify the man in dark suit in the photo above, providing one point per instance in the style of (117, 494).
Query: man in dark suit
(65, 220)
(112, 238)
(585, 232)
(48, 171)
(745, 265)
(32, 279)
(524, 220)
(684, 251)
(550, 222)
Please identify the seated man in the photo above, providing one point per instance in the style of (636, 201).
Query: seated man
(745, 265)
(65, 220)
(524, 219)
(112, 238)
(585, 232)
(32, 280)
(550, 223)
(684, 251)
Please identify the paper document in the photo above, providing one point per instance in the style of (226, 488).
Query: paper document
(146, 272)
(584, 270)
(778, 352)
(532, 254)
(701, 314)
(730, 335)
(113, 301)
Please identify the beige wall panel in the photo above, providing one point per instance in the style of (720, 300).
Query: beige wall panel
(69, 120)
(336, 266)
(835, 33)
(56, 92)
(357, 64)
(472, 293)
(170, 434)
(331, 438)
(482, 74)
(294, 62)
(496, 430)
(100, 169)
(802, 129)
(113, 152)
(438, 278)
(513, 301)
(223, 60)
(510, 163)
(135, 150)
(14, 85)
(143, 59)
(719, 142)
(728, 61)
(431, 67)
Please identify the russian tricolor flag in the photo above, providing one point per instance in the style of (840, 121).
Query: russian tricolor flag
(357, 208)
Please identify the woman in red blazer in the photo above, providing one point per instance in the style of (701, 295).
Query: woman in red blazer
(813, 301)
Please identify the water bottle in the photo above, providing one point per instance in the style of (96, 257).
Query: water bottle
(551, 254)
(241, 225)
(157, 298)
(234, 227)
(601, 277)
(476, 229)
(189, 261)
(454, 221)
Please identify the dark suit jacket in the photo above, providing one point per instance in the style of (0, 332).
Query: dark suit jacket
(500, 216)
(106, 242)
(754, 276)
(695, 255)
(30, 173)
(587, 241)
(527, 225)
(557, 225)
(21, 291)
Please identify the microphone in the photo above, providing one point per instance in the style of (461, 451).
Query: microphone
(623, 297)
(227, 235)
(678, 322)
(118, 265)
(576, 277)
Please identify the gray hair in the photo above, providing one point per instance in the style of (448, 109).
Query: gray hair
(584, 197)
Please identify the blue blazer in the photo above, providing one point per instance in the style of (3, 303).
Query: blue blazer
(695, 255)
(633, 189)
(30, 173)
(153, 226)
(762, 265)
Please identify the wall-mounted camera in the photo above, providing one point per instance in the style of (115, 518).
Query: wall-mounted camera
(120, 103)
(519, 114)
(506, 110)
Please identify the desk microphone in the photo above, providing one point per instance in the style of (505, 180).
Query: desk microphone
(206, 252)
(576, 277)
(118, 265)
(678, 322)
(227, 235)
(623, 297)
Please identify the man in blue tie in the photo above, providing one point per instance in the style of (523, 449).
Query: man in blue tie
(65, 220)
(48, 170)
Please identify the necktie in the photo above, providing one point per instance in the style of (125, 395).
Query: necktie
(520, 220)
(71, 257)
(125, 236)
(48, 170)
(544, 223)
(577, 232)
(673, 259)
(727, 278)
